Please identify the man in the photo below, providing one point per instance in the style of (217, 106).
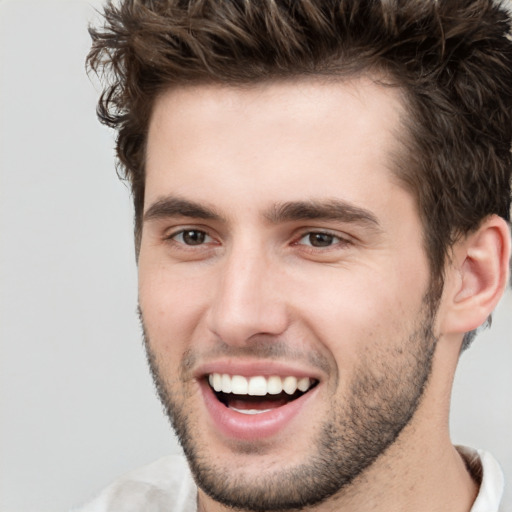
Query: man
(322, 191)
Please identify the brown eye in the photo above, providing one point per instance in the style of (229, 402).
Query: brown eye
(320, 239)
(323, 240)
(192, 237)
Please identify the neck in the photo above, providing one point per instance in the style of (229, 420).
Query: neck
(430, 477)
(434, 479)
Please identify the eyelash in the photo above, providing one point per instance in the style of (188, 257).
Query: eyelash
(173, 237)
(335, 240)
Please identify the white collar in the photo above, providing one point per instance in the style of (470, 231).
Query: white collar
(487, 472)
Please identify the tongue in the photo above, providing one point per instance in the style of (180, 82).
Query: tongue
(258, 403)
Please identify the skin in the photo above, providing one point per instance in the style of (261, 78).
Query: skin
(354, 307)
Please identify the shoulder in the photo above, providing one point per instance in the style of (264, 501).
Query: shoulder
(164, 485)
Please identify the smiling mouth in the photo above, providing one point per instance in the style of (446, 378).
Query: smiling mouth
(258, 394)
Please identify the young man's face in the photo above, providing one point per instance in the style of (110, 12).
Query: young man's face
(279, 251)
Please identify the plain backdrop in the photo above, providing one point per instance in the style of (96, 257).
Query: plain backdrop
(77, 407)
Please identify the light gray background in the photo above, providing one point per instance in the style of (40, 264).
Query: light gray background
(77, 407)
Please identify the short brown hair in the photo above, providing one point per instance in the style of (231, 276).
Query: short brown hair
(452, 59)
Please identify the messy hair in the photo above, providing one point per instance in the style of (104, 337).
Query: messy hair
(451, 58)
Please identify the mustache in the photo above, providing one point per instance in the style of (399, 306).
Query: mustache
(262, 346)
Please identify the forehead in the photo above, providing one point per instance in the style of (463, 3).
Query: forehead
(282, 139)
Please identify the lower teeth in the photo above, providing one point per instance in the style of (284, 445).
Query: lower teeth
(250, 411)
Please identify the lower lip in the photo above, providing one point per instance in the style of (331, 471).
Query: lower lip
(248, 427)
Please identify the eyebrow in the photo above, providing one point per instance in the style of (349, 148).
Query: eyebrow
(176, 207)
(332, 209)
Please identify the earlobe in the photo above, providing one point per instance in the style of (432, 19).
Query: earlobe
(482, 263)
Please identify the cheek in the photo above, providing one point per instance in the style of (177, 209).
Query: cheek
(173, 307)
(355, 312)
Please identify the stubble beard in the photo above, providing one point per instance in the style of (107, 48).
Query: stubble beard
(381, 401)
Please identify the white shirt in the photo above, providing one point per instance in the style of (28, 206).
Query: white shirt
(167, 486)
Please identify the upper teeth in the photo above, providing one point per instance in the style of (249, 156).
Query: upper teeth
(258, 385)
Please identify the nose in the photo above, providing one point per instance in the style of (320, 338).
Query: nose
(249, 301)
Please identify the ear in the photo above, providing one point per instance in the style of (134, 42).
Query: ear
(479, 274)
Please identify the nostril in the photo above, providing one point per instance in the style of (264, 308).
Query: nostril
(245, 307)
